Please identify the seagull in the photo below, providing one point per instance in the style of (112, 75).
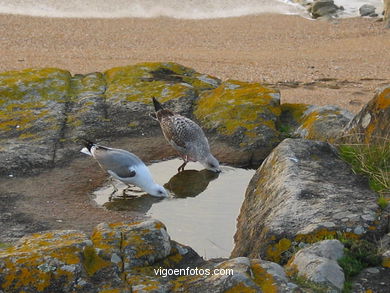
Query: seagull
(125, 167)
(186, 137)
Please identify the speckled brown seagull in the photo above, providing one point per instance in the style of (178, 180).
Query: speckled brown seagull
(185, 136)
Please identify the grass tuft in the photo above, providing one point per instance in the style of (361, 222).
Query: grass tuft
(372, 160)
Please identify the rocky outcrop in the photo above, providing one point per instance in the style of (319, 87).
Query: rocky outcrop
(33, 105)
(322, 122)
(243, 117)
(324, 8)
(384, 249)
(303, 193)
(375, 279)
(373, 121)
(44, 111)
(318, 264)
(368, 10)
(128, 257)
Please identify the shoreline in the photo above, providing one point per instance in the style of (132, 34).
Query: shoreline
(347, 57)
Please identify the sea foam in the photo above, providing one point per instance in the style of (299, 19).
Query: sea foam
(184, 9)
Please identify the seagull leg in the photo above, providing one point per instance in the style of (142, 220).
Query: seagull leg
(130, 188)
(181, 168)
(115, 189)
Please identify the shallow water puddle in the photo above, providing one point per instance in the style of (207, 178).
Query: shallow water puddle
(202, 209)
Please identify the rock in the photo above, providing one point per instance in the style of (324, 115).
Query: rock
(130, 89)
(50, 262)
(32, 116)
(304, 193)
(243, 117)
(128, 257)
(323, 8)
(323, 122)
(47, 110)
(139, 244)
(373, 121)
(318, 263)
(386, 13)
(384, 250)
(367, 10)
(367, 281)
(291, 116)
(248, 276)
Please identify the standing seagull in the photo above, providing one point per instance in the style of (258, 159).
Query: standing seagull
(185, 136)
(125, 167)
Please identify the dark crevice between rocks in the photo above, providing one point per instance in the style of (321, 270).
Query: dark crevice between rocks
(164, 74)
(122, 269)
(58, 143)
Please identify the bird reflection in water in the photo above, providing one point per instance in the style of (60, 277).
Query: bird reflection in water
(140, 203)
(190, 183)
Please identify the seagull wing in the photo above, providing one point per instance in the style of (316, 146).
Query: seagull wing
(120, 162)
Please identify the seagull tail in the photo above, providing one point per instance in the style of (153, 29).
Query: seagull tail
(157, 105)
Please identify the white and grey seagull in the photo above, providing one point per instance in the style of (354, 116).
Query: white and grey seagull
(185, 136)
(125, 167)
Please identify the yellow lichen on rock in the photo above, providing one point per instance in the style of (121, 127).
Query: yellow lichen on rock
(236, 104)
(92, 262)
(263, 279)
(29, 97)
(166, 81)
(274, 251)
(42, 259)
(242, 288)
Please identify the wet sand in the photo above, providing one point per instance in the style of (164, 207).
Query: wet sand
(316, 62)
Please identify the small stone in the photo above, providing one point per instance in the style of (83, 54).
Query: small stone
(358, 230)
(372, 270)
(115, 258)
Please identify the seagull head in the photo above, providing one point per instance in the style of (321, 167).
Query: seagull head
(157, 191)
(211, 163)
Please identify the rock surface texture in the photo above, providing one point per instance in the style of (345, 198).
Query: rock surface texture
(303, 193)
(128, 257)
(322, 123)
(318, 263)
(373, 121)
(244, 115)
(46, 111)
(323, 8)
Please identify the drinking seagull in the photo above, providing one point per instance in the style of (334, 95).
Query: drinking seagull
(125, 167)
(185, 136)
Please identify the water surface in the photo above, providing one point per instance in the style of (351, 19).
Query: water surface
(202, 209)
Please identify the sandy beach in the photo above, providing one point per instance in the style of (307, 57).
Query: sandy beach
(316, 62)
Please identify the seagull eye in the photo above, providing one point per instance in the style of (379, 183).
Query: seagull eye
(212, 166)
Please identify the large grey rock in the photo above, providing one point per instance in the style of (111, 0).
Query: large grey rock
(45, 111)
(323, 8)
(372, 123)
(367, 10)
(323, 122)
(32, 115)
(318, 263)
(128, 257)
(303, 192)
(242, 119)
(248, 276)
